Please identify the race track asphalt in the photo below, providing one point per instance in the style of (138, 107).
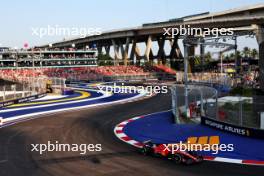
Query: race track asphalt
(92, 126)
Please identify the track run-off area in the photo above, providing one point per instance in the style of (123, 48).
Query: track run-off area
(83, 97)
(90, 120)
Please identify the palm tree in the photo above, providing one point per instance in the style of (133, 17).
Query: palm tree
(197, 60)
(227, 57)
(254, 53)
(208, 57)
(246, 51)
(239, 54)
(232, 56)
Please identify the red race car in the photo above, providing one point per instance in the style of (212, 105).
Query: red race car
(163, 150)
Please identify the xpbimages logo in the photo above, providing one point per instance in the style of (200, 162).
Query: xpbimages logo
(57, 30)
(213, 148)
(123, 89)
(183, 30)
(59, 147)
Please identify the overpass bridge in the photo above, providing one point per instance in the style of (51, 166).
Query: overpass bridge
(243, 21)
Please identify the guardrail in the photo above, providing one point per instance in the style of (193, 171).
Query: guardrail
(21, 100)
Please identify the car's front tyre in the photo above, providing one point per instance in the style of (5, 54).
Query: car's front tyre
(189, 161)
(145, 150)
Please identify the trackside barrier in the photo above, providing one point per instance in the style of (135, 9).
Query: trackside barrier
(262, 120)
(21, 100)
(196, 100)
(235, 129)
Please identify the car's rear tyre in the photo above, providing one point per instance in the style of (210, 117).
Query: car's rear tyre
(177, 158)
(200, 158)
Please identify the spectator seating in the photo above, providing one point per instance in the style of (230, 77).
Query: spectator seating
(20, 75)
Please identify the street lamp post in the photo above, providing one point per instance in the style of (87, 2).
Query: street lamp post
(221, 58)
(34, 79)
(186, 74)
(236, 56)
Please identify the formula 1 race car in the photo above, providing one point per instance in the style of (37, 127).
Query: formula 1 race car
(162, 150)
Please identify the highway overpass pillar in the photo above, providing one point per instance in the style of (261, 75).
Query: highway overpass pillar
(260, 39)
(124, 51)
(116, 52)
(132, 52)
(175, 53)
(148, 48)
(135, 52)
(107, 50)
(99, 49)
(161, 52)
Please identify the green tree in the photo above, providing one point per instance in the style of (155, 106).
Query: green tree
(232, 56)
(208, 57)
(197, 60)
(239, 54)
(104, 59)
(254, 53)
(246, 51)
(226, 57)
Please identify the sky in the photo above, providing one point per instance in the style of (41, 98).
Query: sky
(19, 18)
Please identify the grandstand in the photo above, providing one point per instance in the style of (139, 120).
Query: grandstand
(70, 64)
(84, 73)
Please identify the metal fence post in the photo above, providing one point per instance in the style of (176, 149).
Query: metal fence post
(175, 105)
(201, 102)
(240, 112)
(23, 90)
(4, 95)
(186, 75)
(33, 86)
(14, 89)
(29, 87)
(216, 105)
